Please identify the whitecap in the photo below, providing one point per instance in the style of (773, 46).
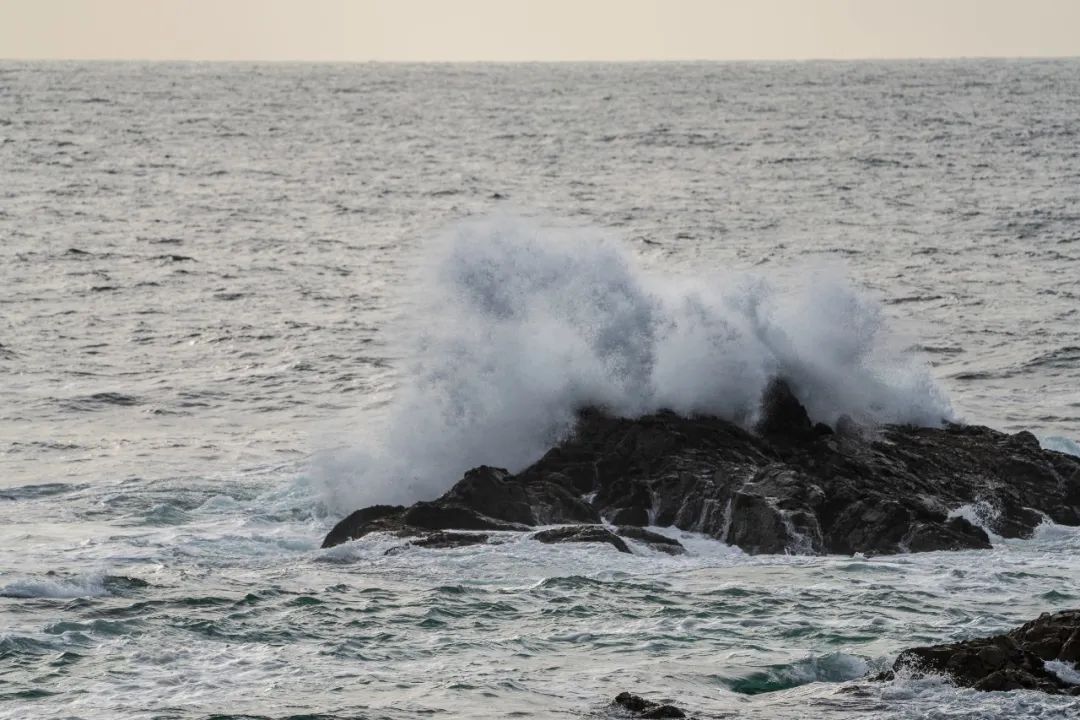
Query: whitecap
(1060, 444)
(1067, 671)
(82, 586)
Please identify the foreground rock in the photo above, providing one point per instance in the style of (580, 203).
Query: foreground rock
(1016, 660)
(791, 486)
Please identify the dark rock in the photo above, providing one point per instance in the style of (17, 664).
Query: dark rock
(643, 708)
(792, 486)
(756, 524)
(543, 499)
(553, 502)
(359, 523)
(486, 490)
(418, 520)
(443, 516)
(782, 415)
(954, 534)
(582, 534)
(624, 502)
(1012, 661)
(637, 516)
(1052, 636)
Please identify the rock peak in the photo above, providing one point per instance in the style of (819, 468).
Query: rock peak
(782, 415)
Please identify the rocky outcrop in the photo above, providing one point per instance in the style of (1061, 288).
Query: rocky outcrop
(790, 486)
(1016, 660)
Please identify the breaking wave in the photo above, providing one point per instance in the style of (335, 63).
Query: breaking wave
(834, 667)
(518, 325)
(1061, 445)
(92, 585)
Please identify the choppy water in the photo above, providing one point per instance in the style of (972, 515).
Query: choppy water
(199, 290)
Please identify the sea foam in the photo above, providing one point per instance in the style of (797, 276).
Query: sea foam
(91, 585)
(517, 325)
(1061, 445)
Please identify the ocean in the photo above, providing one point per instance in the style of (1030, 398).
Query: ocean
(238, 301)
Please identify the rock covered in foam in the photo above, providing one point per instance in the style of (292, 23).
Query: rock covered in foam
(791, 486)
(1016, 660)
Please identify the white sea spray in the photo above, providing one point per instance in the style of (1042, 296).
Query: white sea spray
(517, 325)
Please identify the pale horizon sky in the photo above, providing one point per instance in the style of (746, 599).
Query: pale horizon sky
(540, 30)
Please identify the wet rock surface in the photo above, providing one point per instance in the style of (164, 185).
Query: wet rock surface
(654, 540)
(450, 539)
(789, 486)
(1016, 660)
(582, 533)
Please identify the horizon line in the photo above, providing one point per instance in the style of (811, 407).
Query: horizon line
(595, 61)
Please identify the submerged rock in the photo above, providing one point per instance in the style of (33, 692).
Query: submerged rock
(789, 487)
(642, 708)
(1016, 660)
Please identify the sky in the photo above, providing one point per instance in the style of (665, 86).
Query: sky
(535, 30)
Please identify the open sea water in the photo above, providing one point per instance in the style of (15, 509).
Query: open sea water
(209, 306)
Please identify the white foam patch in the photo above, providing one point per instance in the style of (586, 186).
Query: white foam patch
(1067, 671)
(980, 514)
(1061, 444)
(935, 696)
(517, 326)
(1060, 537)
(84, 586)
(833, 667)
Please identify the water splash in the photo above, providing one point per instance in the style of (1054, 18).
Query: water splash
(518, 325)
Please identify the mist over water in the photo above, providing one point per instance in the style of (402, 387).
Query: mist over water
(518, 324)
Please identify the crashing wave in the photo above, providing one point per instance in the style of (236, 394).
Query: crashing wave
(517, 326)
(92, 585)
(1061, 445)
